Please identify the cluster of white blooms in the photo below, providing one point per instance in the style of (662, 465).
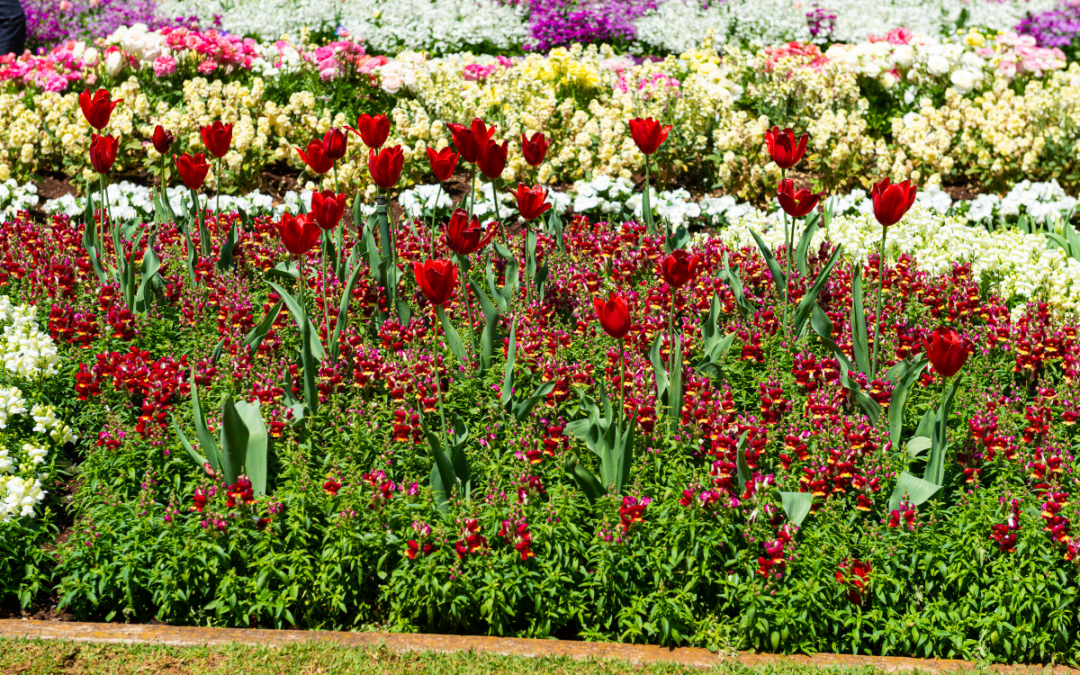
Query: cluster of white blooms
(19, 497)
(129, 202)
(418, 201)
(15, 198)
(46, 421)
(12, 403)
(26, 350)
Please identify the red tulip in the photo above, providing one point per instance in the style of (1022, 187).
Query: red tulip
(783, 148)
(679, 268)
(493, 161)
(531, 201)
(327, 209)
(192, 170)
(471, 141)
(947, 351)
(891, 202)
(796, 203)
(614, 315)
(316, 157)
(217, 138)
(372, 130)
(442, 163)
(436, 279)
(464, 236)
(162, 139)
(534, 148)
(103, 152)
(385, 166)
(298, 233)
(648, 134)
(98, 109)
(335, 143)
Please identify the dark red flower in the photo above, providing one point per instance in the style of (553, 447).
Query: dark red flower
(385, 166)
(335, 144)
(442, 163)
(471, 141)
(103, 152)
(298, 233)
(531, 201)
(436, 279)
(648, 134)
(891, 202)
(679, 268)
(796, 203)
(493, 160)
(783, 148)
(614, 315)
(534, 148)
(192, 170)
(372, 130)
(316, 157)
(464, 236)
(162, 140)
(217, 138)
(98, 109)
(856, 574)
(327, 209)
(947, 351)
(331, 487)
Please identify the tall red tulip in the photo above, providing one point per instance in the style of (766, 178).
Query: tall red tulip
(335, 144)
(102, 152)
(372, 130)
(471, 141)
(679, 267)
(534, 148)
(531, 202)
(648, 134)
(298, 233)
(385, 166)
(783, 148)
(493, 160)
(436, 279)
(464, 236)
(192, 170)
(891, 202)
(442, 163)
(947, 351)
(796, 203)
(316, 157)
(327, 209)
(217, 138)
(162, 140)
(614, 315)
(98, 109)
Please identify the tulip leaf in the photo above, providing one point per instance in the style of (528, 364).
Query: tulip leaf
(342, 320)
(584, 478)
(802, 250)
(935, 465)
(452, 337)
(522, 409)
(859, 339)
(491, 318)
(511, 281)
(307, 363)
(285, 270)
(374, 257)
(251, 430)
(822, 325)
(774, 267)
(329, 251)
(404, 312)
(357, 213)
(678, 238)
(741, 467)
(150, 266)
(658, 368)
(442, 475)
(808, 304)
(555, 229)
(225, 253)
(796, 506)
(675, 393)
(917, 490)
(196, 457)
(710, 333)
(257, 334)
(207, 442)
(540, 281)
(215, 355)
(731, 276)
(245, 220)
(504, 253)
(508, 377)
(530, 254)
(625, 441)
(300, 316)
(385, 239)
(908, 378)
(918, 445)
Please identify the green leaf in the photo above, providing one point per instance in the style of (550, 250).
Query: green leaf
(802, 250)
(822, 325)
(299, 315)
(808, 304)
(540, 281)
(199, 460)
(584, 478)
(207, 442)
(508, 377)
(256, 443)
(342, 320)
(774, 267)
(901, 390)
(675, 394)
(257, 334)
(225, 259)
(522, 410)
(935, 465)
(860, 341)
(443, 470)
(233, 438)
(530, 254)
(742, 468)
(625, 442)
(917, 445)
(796, 506)
(917, 489)
(452, 337)
(491, 318)
(659, 373)
(730, 275)
(150, 266)
(307, 363)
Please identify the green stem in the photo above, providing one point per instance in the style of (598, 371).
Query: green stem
(472, 192)
(468, 303)
(877, 313)
(434, 214)
(622, 383)
(393, 248)
(646, 202)
(217, 207)
(525, 266)
(435, 370)
(671, 334)
(325, 279)
(164, 169)
(337, 183)
(787, 255)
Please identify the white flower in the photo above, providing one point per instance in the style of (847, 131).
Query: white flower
(963, 81)
(937, 64)
(114, 63)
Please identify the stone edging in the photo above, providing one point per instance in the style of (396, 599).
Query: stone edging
(190, 636)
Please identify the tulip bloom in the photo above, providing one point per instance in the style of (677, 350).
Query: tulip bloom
(217, 138)
(442, 163)
(162, 140)
(335, 144)
(534, 148)
(327, 209)
(947, 351)
(891, 202)
(784, 150)
(298, 233)
(464, 235)
(436, 279)
(679, 268)
(103, 152)
(316, 157)
(796, 204)
(648, 134)
(98, 109)
(385, 166)
(493, 160)
(471, 141)
(192, 170)
(531, 202)
(614, 315)
(372, 130)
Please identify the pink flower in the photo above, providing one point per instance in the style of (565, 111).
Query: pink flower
(207, 66)
(164, 65)
(899, 36)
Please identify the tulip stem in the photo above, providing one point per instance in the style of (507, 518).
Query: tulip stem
(525, 265)
(472, 192)
(337, 183)
(393, 247)
(435, 368)
(325, 302)
(163, 170)
(622, 381)
(646, 204)
(217, 207)
(671, 334)
(434, 217)
(787, 256)
(463, 264)
(877, 313)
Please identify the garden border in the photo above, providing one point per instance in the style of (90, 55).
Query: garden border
(192, 636)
